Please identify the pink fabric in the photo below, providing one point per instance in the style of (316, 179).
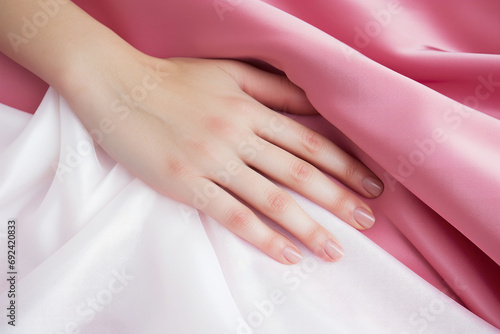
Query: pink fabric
(400, 104)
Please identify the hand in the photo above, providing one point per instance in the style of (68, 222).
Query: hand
(202, 132)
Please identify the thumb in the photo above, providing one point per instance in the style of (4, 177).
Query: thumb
(273, 90)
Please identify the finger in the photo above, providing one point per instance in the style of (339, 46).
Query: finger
(239, 219)
(278, 205)
(273, 90)
(307, 180)
(316, 149)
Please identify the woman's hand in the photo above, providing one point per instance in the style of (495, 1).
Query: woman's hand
(198, 131)
(202, 132)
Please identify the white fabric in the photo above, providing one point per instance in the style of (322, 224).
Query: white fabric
(98, 251)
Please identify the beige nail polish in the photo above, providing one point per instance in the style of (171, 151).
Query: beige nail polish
(373, 186)
(364, 217)
(333, 250)
(292, 255)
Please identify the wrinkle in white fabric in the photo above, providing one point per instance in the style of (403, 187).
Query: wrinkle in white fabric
(101, 252)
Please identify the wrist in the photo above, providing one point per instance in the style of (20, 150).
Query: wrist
(104, 59)
(96, 53)
(71, 45)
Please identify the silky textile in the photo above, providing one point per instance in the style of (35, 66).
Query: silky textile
(412, 88)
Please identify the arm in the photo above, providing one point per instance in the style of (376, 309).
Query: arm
(196, 130)
(53, 39)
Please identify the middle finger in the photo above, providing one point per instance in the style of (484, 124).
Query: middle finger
(307, 180)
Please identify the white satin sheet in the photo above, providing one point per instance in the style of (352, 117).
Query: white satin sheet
(98, 251)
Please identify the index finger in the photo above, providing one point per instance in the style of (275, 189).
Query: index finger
(317, 150)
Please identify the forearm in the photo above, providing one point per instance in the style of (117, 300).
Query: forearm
(55, 39)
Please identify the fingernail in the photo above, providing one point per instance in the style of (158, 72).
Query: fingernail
(373, 186)
(334, 250)
(364, 217)
(292, 255)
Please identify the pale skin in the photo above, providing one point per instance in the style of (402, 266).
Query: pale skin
(202, 132)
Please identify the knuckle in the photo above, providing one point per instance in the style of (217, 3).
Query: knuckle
(341, 201)
(177, 168)
(351, 169)
(223, 128)
(270, 242)
(206, 151)
(217, 124)
(313, 234)
(239, 220)
(301, 172)
(312, 141)
(278, 201)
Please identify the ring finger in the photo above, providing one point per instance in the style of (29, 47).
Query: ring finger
(279, 206)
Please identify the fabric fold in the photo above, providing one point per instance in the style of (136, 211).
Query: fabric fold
(142, 262)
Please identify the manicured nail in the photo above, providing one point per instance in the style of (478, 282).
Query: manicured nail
(373, 186)
(364, 217)
(334, 250)
(292, 255)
